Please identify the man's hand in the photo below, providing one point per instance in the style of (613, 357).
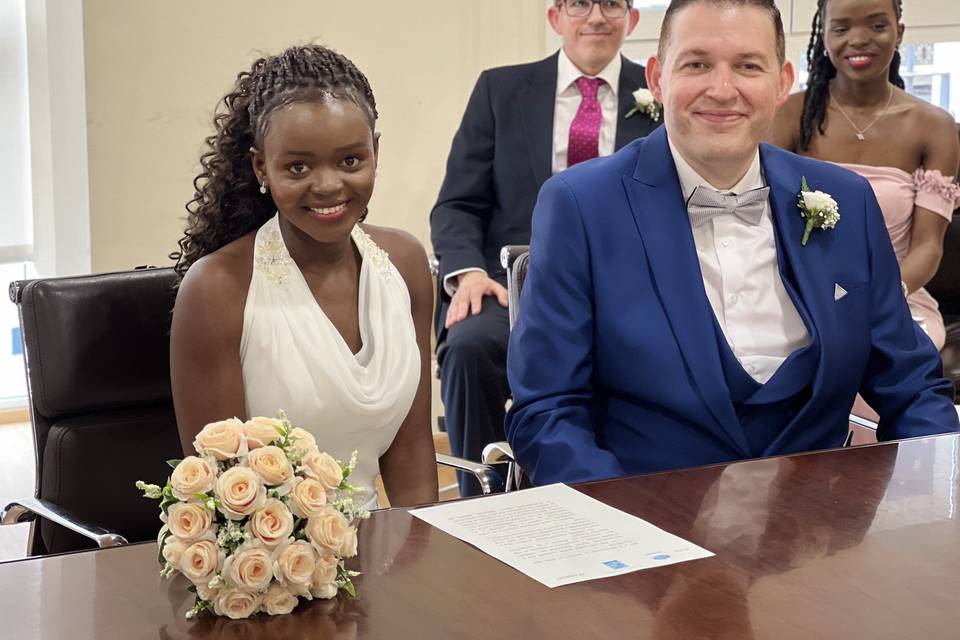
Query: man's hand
(471, 287)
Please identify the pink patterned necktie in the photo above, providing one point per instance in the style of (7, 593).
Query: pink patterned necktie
(585, 128)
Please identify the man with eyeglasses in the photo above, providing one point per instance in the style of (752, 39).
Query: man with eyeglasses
(522, 124)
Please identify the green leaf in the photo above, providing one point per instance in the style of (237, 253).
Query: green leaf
(163, 541)
(173, 463)
(166, 503)
(350, 589)
(192, 588)
(803, 184)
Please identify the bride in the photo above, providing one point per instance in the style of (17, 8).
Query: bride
(286, 300)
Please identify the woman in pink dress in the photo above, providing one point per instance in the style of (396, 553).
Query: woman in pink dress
(855, 113)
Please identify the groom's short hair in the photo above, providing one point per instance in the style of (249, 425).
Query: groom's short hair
(766, 5)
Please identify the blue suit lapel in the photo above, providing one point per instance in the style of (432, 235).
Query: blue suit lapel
(656, 202)
(812, 286)
(806, 262)
(536, 102)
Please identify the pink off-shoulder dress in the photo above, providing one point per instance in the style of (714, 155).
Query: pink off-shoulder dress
(898, 193)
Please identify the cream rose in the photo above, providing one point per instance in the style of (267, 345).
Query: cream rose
(308, 498)
(171, 547)
(271, 464)
(189, 521)
(191, 476)
(273, 523)
(323, 468)
(294, 566)
(261, 432)
(206, 593)
(348, 548)
(324, 591)
(200, 561)
(327, 530)
(223, 440)
(277, 601)
(325, 571)
(241, 492)
(236, 604)
(303, 441)
(249, 567)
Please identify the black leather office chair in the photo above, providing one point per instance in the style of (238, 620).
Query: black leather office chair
(96, 353)
(945, 288)
(96, 349)
(515, 259)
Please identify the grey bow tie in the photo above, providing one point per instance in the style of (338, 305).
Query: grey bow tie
(705, 203)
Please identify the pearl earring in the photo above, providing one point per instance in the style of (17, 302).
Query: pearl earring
(263, 188)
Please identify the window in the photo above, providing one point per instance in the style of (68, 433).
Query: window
(16, 229)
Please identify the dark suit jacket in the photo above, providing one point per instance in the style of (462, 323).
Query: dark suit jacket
(501, 155)
(613, 361)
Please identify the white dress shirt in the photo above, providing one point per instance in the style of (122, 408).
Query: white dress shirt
(565, 107)
(738, 262)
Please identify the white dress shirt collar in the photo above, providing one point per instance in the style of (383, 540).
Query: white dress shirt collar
(567, 73)
(690, 179)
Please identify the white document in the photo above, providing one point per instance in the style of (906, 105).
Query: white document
(557, 535)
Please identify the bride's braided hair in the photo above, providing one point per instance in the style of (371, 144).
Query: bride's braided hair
(821, 69)
(227, 202)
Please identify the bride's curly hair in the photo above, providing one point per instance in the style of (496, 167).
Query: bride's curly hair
(227, 202)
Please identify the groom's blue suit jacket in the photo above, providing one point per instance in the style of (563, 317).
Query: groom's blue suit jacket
(615, 363)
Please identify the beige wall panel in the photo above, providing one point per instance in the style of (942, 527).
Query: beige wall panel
(155, 70)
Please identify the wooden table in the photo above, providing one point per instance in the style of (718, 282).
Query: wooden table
(855, 543)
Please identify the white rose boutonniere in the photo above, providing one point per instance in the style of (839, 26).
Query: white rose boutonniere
(819, 209)
(644, 101)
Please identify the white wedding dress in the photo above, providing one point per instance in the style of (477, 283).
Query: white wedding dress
(294, 359)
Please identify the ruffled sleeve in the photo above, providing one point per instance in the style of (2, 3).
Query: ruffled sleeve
(936, 192)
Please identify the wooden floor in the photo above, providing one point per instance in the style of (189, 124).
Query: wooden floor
(16, 481)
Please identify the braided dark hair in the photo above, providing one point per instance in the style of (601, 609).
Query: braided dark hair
(227, 203)
(817, 95)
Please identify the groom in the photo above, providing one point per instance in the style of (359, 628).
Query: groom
(672, 316)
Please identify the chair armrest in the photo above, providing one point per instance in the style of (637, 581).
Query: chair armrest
(863, 422)
(510, 252)
(497, 452)
(28, 509)
(489, 478)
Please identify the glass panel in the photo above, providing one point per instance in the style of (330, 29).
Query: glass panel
(16, 230)
(13, 381)
(928, 71)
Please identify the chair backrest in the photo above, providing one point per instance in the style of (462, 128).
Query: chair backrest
(96, 349)
(515, 259)
(945, 284)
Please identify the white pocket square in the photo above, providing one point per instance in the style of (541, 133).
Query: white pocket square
(838, 292)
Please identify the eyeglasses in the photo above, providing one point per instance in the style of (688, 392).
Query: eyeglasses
(609, 8)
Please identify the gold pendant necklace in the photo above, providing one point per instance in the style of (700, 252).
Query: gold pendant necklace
(860, 131)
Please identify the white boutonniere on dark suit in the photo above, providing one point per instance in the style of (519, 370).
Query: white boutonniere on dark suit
(643, 101)
(819, 209)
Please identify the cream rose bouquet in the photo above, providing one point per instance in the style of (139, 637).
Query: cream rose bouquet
(258, 519)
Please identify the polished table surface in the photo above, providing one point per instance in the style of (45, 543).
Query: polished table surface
(854, 543)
